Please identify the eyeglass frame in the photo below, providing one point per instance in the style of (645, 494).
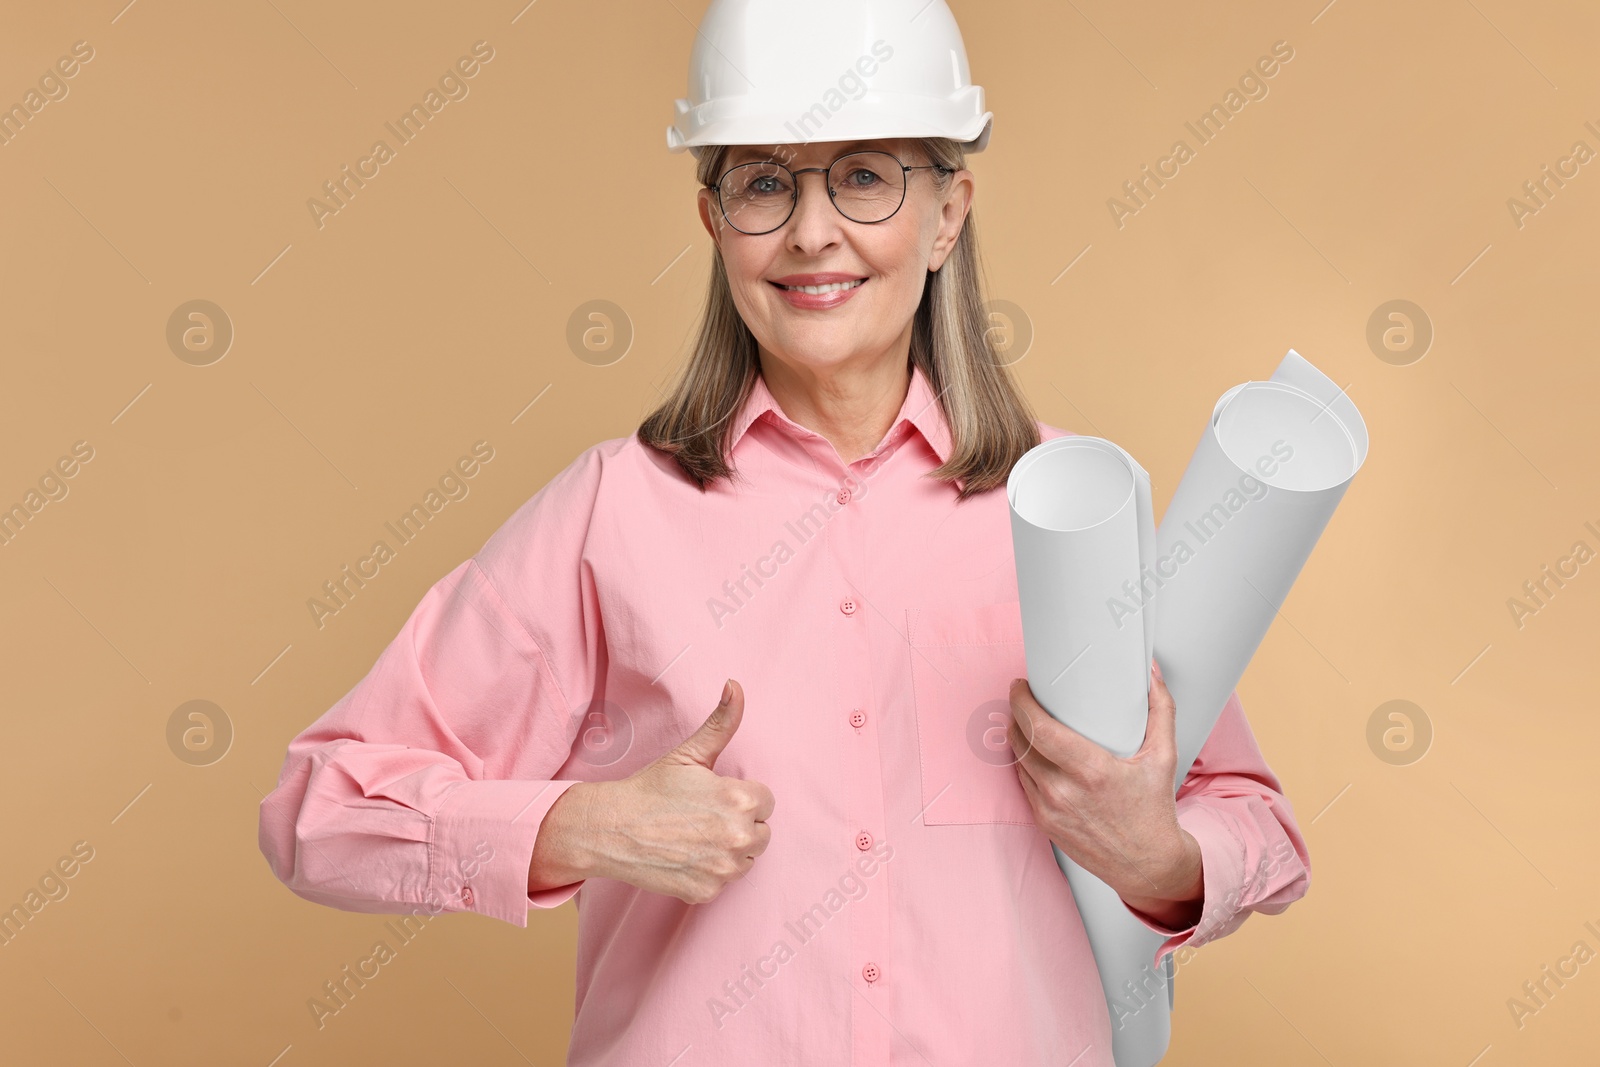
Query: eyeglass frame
(794, 197)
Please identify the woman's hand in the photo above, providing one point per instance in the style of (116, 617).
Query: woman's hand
(1116, 817)
(675, 827)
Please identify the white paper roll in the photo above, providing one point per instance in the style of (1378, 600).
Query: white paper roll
(1083, 530)
(1272, 465)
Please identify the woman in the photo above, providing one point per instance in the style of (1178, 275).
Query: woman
(848, 859)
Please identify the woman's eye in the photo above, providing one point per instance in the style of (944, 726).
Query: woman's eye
(861, 179)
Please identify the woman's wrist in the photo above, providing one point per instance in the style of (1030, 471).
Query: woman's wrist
(1182, 908)
(561, 854)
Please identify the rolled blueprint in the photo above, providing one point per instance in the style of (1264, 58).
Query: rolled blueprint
(1083, 530)
(1272, 464)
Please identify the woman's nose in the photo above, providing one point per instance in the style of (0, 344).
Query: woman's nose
(815, 223)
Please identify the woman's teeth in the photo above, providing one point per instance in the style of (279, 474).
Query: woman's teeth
(833, 287)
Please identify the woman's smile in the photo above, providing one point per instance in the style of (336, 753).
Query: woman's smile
(818, 292)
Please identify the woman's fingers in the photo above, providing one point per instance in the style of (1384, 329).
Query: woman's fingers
(764, 801)
(763, 839)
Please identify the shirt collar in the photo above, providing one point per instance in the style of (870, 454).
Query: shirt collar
(920, 410)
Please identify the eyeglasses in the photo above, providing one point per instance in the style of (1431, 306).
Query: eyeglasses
(868, 187)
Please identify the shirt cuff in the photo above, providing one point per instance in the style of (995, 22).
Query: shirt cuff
(480, 846)
(1222, 859)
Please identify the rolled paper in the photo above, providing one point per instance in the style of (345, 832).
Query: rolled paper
(1083, 530)
(1272, 464)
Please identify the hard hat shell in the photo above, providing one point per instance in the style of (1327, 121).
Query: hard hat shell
(779, 72)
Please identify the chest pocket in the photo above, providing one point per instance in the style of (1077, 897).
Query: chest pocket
(962, 663)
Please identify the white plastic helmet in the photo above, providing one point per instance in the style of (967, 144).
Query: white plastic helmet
(779, 72)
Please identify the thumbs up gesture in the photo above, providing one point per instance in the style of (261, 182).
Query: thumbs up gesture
(678, 827)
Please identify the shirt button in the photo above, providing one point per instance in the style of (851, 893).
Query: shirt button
(466, 895)
(848, 606)
(858, 718)
(870, 972)
(842, 496)
(863, 841)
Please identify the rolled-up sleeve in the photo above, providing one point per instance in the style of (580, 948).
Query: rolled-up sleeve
(1252, 852)
(424, 786)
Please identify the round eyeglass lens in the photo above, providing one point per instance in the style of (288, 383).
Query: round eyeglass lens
(864, 186)
(867, 186)
(756, 197)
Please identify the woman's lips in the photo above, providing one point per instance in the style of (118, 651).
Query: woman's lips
(798, 297)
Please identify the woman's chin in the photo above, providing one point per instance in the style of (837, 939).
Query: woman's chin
(817, 341)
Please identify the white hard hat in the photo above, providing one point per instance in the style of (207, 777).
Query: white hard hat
(780, 72)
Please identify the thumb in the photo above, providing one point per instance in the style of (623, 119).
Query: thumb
(1161, 728)
(706, 743)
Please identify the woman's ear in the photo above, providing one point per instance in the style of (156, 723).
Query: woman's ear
(709, 213)
(952, 215)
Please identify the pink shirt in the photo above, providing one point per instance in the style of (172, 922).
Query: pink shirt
(908, 911)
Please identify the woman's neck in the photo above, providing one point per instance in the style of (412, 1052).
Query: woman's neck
(853, 405)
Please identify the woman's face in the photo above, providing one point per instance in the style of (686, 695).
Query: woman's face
(890, 259)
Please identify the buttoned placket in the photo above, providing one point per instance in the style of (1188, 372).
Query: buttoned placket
(869, 961)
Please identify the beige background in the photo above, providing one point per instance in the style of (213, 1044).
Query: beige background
(432, 310)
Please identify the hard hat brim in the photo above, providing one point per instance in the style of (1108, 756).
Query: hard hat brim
(873, 116)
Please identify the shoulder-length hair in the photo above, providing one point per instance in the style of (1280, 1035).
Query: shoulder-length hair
(991, 425)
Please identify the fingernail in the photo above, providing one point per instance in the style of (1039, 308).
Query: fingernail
(727, 693)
